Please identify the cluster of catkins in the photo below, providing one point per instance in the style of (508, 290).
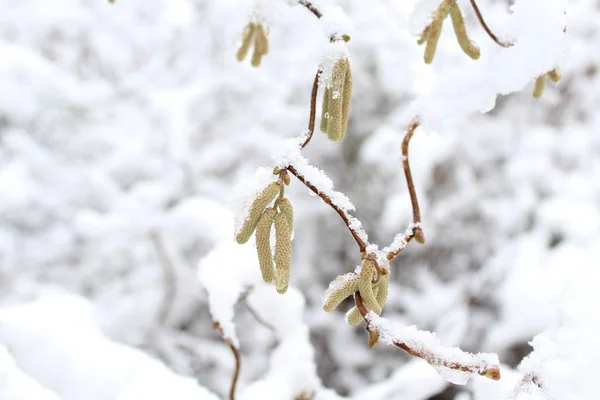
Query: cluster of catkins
(255, 33)
(274, 265)
(336, 101)
(432, 32)
(372, 284)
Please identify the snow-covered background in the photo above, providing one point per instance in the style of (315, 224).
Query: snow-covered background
(128, 129)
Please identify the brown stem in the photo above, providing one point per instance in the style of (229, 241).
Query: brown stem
(409, 180)
(415, 230)
(311, 8)
(486, 27)
(361, 244)
(313, 110)
(238, 361)
(492, 372)
(236, 373)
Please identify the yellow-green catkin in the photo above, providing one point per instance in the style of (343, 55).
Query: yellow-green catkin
(261, 45)
(460, 30)
(345, 287)
(435, 30)
(283, 253)
(382, 290)
(256, 209)
(325, 110)
(248, 35)
(346, 99)
(286, 208)
(263, 244)
(353, 317)
(540, 84)
(365, 286)
(337, 118)
(262, 41)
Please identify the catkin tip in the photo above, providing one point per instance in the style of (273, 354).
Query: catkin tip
(354, 317)
(365, 286)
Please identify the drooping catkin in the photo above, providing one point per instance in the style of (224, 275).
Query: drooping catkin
(325, 110)
(286, 208)
(365, 286)
(247, 37)
(346, 99)
(343, 287)
(337, 118)
(256, 209)
(460, 30)
(382, 290)
(435, 30)
(257, 55)
(540, 84)
(263, 244)
(283, 253)
(353, 316)
(262, 42)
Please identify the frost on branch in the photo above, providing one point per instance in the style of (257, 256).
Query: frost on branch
(451, 363)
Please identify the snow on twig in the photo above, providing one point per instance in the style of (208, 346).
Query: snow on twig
(451, 363)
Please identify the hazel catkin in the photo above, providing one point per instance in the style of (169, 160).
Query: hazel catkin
(460, 31)
(434, 30)
(263, 244)
(283, 252)
(342, 287)
(256, 209)
(337, 113)
(286, 208)
(365, 286)
(248, 35)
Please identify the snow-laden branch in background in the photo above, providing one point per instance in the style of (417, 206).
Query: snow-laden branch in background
(56, 342)
(538, 31)
(453, 364)
(226, 273)
(564, 358)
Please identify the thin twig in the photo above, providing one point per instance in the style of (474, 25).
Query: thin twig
(238, 361)
(415, 228)
(361, 244)
(313, 110)
(486, 27)
(169, 278)
(311, 8)
(492, 372)
(407, 173)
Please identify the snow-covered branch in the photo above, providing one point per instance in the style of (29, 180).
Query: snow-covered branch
(453, 364)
